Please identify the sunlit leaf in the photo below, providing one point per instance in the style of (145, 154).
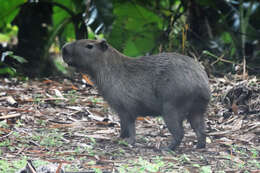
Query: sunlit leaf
(61, 14)
(8, 10)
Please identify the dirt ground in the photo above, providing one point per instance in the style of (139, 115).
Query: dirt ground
(66, 123)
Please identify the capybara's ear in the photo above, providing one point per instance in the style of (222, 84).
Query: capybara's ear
(103, 44)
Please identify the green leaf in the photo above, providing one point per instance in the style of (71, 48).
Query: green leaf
(196, 165)
(62, 14)
(7, 70)
(226, 37)
(130, 48)
(205, 169)
(60, 67)
(91, 34)
(19, 59)
(135, 29)
(54, 32)
(233, 51)
(209, 53)
(8, 32)
(8, 10)
(4, 38)
(11, 54)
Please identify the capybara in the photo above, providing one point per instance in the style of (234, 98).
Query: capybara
(170, 85)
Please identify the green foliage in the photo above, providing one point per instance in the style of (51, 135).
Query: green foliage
(11, 167)
(62, 14)
(123, 142)
(8, 10)
(8, 32)
(205, 169)
(60, 67)
(243, 31)
(142, 166)
(67, 20)
(135, 29)
(54, 138)
(7, 70)
(11, 54)
(15, 165)
(226, 37)
(184, 159)
(139, 27)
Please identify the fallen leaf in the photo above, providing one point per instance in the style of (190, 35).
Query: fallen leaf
(85, 77)
(234, 108)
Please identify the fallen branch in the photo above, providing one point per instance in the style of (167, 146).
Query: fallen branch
(10, 116)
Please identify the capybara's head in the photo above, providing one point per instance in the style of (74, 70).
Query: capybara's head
(84, 53)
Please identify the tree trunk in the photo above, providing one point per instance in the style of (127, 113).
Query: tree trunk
(33, 21)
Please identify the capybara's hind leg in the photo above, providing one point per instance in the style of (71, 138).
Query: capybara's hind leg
(198, 125)
(174, 121)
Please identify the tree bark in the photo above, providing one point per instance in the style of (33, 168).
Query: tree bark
(33, 21)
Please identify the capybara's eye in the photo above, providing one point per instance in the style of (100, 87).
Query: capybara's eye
(89, 46)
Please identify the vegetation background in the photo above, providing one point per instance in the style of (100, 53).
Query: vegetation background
(50, 119)
(221, 33)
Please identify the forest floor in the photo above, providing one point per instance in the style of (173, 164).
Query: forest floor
(59, 122)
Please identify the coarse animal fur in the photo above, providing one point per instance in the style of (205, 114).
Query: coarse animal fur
(170, 85)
